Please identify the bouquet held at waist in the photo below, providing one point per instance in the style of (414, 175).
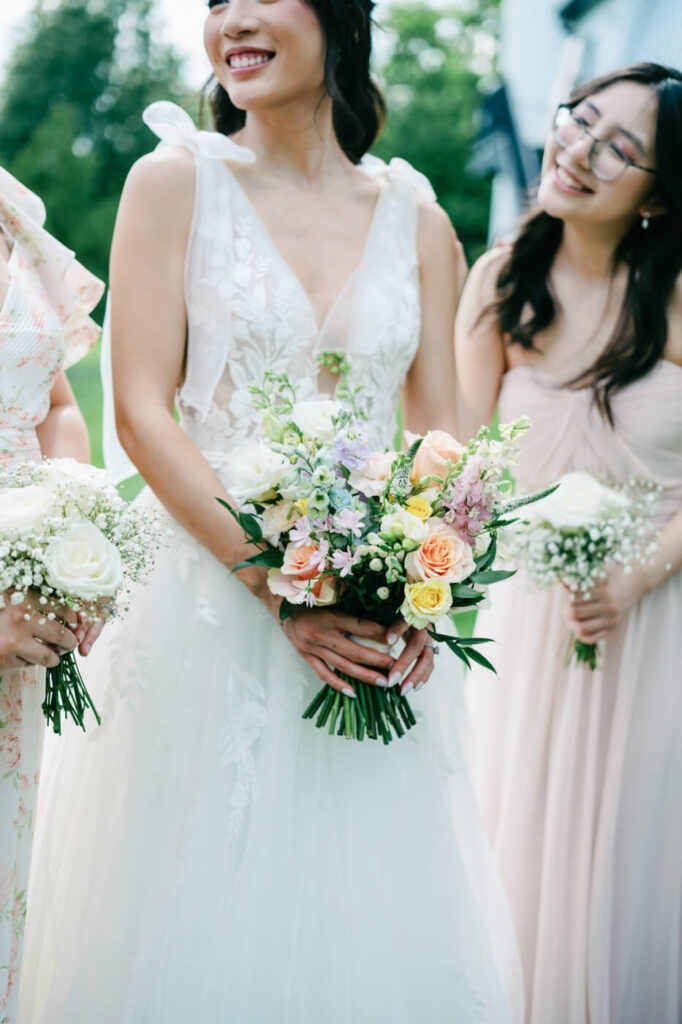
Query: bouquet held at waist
(579, 533)
(376, 534)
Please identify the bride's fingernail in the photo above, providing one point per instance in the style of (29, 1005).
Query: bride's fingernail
(348, 692)
(418, 686)
(391, 638)
(394, 678)
(381, 681)
(407, 689)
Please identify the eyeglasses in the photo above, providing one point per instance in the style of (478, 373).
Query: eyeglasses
(606, 159)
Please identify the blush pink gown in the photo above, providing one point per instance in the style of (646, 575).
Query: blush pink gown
(579, 773)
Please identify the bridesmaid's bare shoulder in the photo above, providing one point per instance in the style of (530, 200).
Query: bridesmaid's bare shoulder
(673, 349)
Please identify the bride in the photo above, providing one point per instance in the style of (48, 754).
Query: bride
(207, 855)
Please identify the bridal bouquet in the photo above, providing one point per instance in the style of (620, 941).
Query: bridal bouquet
(68, 537)
(577, 534)
(377, 534)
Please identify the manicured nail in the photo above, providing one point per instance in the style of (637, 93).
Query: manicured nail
(418, 686)
(394, 678)
(407, 689)
(391, 638)
(86, 650)
(380, 681)
(348, 692)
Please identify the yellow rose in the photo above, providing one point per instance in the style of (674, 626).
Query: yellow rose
(419, 506)
(425, 602)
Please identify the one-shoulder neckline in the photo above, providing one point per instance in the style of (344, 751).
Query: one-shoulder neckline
(320, 327)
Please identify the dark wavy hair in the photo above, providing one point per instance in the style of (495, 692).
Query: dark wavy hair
(653, 257)
(358, 108)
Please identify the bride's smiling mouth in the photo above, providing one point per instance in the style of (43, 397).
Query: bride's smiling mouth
(244, 60)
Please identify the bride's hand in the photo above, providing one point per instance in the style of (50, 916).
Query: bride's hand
(418, 652)
(322, 639)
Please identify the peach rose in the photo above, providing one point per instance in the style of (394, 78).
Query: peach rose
(303, 561)
(443, 555)
(371, 478)
(434, 452)
(313, 592)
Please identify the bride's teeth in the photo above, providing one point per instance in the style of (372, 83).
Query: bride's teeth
(564, 177)
(248, 61)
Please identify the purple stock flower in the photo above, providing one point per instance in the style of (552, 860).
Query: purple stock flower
(350, 451)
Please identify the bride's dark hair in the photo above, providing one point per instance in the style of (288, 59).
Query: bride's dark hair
(358, 108)
(525, 304)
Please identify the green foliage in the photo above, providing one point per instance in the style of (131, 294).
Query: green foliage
(437, 61)
(70, 112)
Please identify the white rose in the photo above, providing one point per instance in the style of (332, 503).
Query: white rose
(83, 563)
(26, 508)
(315, 418)
(578, 501)
(252, 470)
(277, 519)
(402, 523)
(79, 478)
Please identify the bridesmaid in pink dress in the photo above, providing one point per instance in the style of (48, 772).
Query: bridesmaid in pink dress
(579, 325)
(44, 296)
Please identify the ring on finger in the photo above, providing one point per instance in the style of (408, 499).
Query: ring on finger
(434, 647)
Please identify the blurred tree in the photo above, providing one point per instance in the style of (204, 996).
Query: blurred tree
(70, 124)
(438, 62)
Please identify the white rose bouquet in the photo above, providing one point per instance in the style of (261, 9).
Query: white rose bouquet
(378, 535)
(68, 537)
(578, 533)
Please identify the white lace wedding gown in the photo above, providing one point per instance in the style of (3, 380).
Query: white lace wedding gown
(206, 855)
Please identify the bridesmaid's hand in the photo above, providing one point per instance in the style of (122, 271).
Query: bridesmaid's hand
(592, 619)
(28, 637)
(322, 639)
(89, 630)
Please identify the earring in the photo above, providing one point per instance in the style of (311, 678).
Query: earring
(645, 221)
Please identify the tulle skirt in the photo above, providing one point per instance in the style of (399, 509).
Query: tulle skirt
(207, 855)
(580, 780)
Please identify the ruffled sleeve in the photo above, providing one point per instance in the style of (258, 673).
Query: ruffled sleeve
(175, 127)
(71, 289)
(399, 173)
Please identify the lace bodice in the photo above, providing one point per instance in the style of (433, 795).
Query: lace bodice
(248, 312)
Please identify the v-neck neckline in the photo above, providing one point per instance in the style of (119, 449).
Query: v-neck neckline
(320, 328)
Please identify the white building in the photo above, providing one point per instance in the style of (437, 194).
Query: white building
(547, 48)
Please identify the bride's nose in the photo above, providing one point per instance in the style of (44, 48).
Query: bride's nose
(239, 18)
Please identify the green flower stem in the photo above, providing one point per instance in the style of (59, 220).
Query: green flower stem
(585, 654)
(66, 695)
(326, 708)
(316, 703)
(335, 712)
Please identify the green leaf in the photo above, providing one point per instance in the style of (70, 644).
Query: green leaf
(462, 595)
(286, 609)
(471, 641)
(271, 559)
(487, 559)
(248, 523)
(481, 660)
(492, 576)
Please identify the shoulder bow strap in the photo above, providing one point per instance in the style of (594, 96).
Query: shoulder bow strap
(399, 173)
(175, 127)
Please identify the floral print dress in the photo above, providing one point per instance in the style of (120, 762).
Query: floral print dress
(43, 327)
